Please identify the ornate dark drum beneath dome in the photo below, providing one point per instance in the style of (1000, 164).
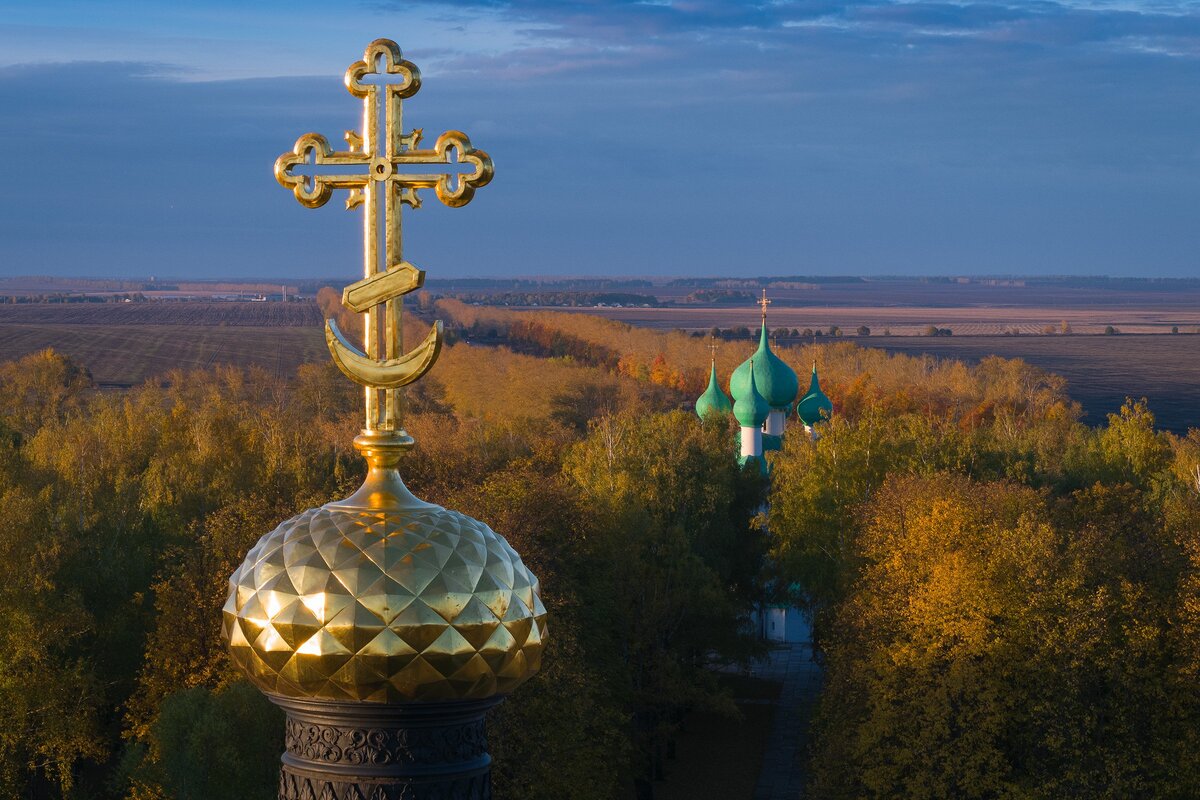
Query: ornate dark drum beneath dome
(385, 605)
(376, 751)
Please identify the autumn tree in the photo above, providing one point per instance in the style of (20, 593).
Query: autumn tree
(671, 564)
(997, 644)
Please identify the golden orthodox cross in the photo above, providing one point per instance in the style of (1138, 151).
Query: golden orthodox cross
(764, 302)
(383, 167)
(712, 345)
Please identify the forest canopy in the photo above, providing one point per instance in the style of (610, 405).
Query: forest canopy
(1006, 601)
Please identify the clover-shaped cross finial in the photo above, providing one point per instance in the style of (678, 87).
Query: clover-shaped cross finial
(383, 52)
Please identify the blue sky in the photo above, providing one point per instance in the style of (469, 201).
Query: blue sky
(630, 138)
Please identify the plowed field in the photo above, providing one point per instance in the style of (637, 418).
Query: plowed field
(255, 315)
(128, 354)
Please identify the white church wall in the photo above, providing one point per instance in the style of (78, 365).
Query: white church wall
(786, 624)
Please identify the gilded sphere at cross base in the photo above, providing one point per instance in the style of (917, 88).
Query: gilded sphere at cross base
(407, 603)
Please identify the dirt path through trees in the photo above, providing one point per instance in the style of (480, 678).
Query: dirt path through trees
(783, 774)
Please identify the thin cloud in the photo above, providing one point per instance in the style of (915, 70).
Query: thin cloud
(560, 32)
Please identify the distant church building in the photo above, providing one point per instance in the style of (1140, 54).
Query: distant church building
(764, 390)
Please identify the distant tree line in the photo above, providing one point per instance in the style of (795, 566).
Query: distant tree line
(72, 297)
(777, 334)
(766, 282)
(520, 285)
(719, 297)
(568, 299)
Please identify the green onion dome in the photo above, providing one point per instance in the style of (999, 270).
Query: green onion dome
(776, 380)
(749, 407)
(815, 406)
(713, 403)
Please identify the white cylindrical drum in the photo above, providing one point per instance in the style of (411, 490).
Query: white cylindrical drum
(751, 442)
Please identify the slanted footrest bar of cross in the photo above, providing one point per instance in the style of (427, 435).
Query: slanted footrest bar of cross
(382, 286)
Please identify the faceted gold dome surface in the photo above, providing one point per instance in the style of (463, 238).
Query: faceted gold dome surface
(401, 603)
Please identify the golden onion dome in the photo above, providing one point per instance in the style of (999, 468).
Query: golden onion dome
(385, 598)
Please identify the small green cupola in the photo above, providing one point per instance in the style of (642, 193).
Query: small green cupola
(775, 379)
(713, 403)
(815, 406)
(749, 406)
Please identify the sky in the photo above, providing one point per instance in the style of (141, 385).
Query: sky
(663, 137)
